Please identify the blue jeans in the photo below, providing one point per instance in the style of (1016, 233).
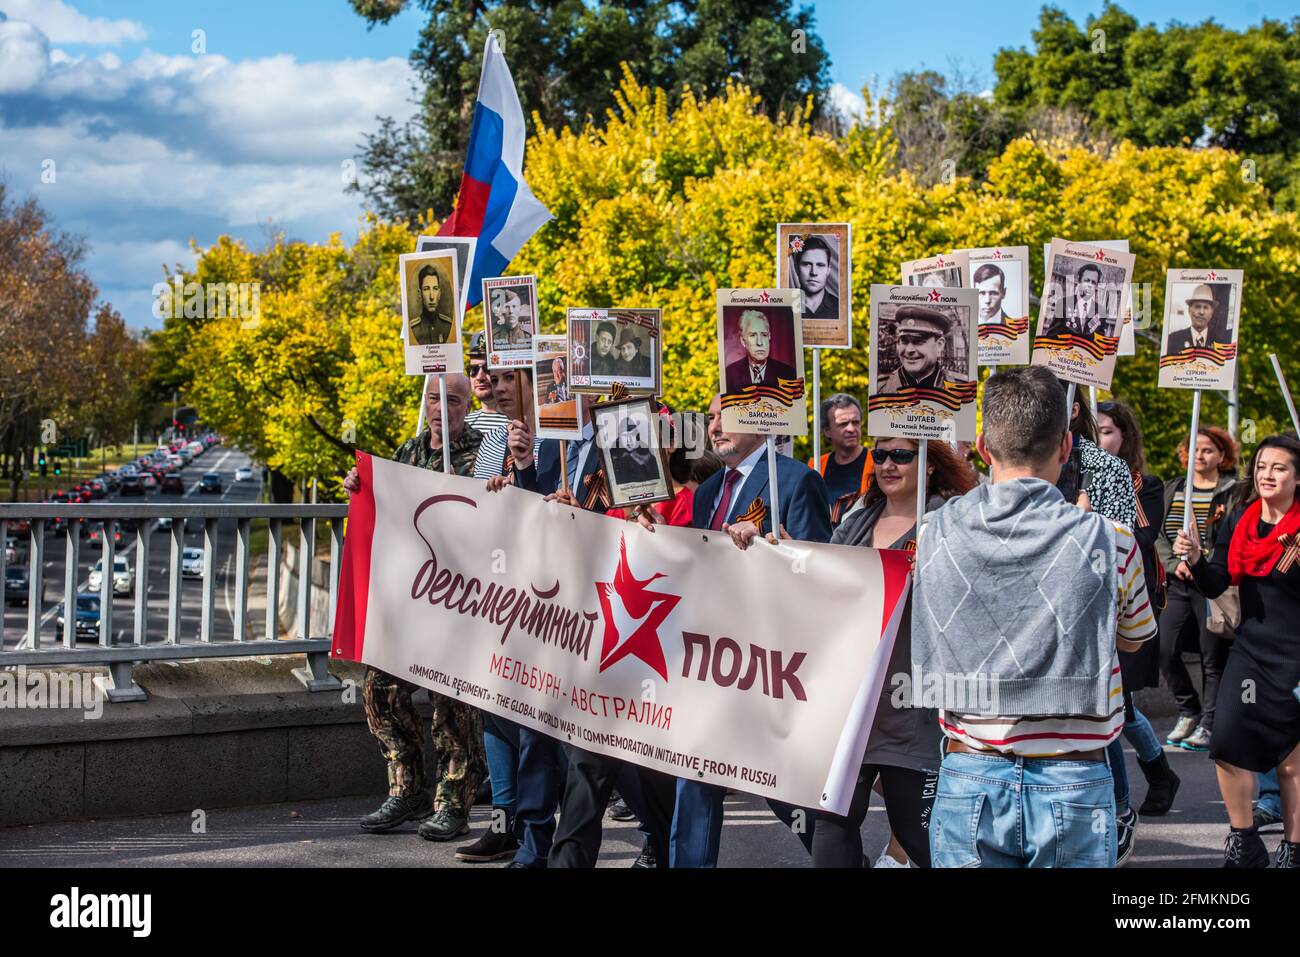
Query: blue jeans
(1119, 774)
(501, 747)
(1022, 812)
(1270, 796)
(1142, 736)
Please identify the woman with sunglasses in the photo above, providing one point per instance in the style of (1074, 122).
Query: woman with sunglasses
(1118, 433)
(903, 748)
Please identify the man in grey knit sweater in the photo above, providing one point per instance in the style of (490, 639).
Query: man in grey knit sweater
(1021, 602)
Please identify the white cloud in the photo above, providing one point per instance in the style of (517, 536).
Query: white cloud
(63, 23)
(24, 56)
(847, 104)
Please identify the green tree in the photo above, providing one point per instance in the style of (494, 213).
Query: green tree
(565, 57)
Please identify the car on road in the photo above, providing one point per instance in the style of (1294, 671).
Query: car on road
(172, 482)
(97, 534)
(58, 498)
(192, 563)
(243, 473)
(123, 578)
(19, 526)
(211, 482)
(87, 627)
(16, 582)
(163, 524)
(148, 482)
(98, 489)
(130, 468)
(131, 485)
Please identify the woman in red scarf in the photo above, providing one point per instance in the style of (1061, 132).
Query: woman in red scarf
(1258, 729)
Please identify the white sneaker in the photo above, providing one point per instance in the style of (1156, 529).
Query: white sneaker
(884, 860)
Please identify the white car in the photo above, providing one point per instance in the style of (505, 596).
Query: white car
(243, 473)
(123, 577)
(192, 563)
(128, 469)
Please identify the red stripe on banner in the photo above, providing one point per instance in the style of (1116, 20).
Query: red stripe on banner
(354, 572)
(895, 567)
(471, 205)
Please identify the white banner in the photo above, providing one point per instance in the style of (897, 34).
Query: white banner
(757, 670)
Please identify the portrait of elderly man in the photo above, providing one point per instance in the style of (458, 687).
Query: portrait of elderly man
(920, 344)
(756, 366)
(991, 284)
(509, 324)
(559, 391)
(1204, 331)
(812, 269)
(432, 325)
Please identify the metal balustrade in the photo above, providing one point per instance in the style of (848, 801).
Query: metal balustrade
(36, 648)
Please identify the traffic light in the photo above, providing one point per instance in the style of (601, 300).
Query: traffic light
(40, 462)
(58, 467)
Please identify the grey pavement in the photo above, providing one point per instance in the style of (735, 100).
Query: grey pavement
(325, 834)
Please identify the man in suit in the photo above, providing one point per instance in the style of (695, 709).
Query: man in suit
(431, 327)
(1204, 331)
(719, 500)
(756, 367)
(991, 284)
(921, 339)
(604, 360)
(812, 266)
(560, 390)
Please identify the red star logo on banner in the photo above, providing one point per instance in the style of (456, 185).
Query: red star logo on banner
(595, 314)
(763, 296)
(939, 261)
(934, 295)
(633, 614)
(1211, 275)
(1101, 254)
(997, 254)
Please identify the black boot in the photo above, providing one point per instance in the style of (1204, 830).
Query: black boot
(1243, 848)
(496, 843)
(1162, 785)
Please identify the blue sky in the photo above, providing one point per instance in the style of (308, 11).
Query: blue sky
(132, 138)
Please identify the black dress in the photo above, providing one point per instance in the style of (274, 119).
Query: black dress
(1141, 669)
(1258, 720)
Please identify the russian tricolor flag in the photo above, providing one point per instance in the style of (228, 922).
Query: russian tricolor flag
(494, 203)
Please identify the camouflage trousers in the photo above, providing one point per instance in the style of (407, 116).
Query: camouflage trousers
(457, 740)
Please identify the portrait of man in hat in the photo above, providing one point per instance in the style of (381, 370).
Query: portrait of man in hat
(920, 345)
(1204, 329)
(432, 324)
(631, 363)
(756, 366)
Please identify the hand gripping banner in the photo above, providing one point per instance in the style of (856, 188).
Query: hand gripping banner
(757, 670)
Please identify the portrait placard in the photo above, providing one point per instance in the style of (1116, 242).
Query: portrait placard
(1127, 341)
(608, 346)
(430, 312)
(760, 362)
(950, 271)
(557, 411)
(463, 247)
(510, 317)
(816, 259)
(636, 465)
(1000, 277)
(923, 364)
(1198, 348)
(1081, 311)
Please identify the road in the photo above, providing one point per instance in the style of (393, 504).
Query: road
(325, 834)
(216, 459)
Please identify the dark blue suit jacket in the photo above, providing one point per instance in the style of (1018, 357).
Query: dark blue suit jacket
(544, 477)
(804, 511)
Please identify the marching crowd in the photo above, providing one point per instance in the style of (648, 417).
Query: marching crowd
(1122, 593)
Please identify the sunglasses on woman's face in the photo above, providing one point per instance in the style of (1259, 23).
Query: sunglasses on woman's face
(897, 456)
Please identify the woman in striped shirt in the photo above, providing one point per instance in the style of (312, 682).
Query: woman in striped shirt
(1183, 619)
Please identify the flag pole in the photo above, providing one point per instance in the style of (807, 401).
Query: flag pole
(774, 494)
(1189, 519)
(817, 409)
(1286, 393)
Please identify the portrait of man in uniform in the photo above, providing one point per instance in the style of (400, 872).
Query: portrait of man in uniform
(430, 321)
(920, 347)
